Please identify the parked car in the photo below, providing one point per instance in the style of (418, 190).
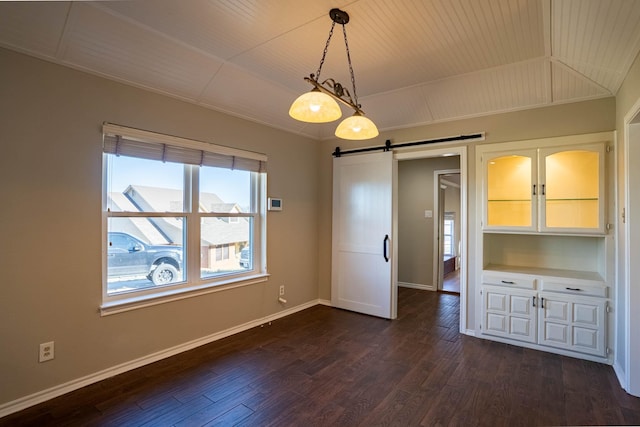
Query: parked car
(245, 257)
(129, 256)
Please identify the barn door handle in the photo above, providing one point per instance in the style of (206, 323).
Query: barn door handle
(385, 245)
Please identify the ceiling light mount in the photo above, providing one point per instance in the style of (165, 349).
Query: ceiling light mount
(319, 105)
(339, 16)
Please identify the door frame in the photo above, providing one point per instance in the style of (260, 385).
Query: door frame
(438, 263)
(630, 295)
(441, 151)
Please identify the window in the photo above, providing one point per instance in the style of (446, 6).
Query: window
(449, 234)
(178, 214)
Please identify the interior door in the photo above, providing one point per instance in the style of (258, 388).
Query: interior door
(362, 245)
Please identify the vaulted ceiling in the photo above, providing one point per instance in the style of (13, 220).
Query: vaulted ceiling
(415, 61)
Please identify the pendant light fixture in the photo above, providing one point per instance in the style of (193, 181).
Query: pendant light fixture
(320, 106)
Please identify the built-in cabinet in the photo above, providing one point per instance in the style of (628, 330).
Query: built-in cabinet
(545, 256)
(537, 307)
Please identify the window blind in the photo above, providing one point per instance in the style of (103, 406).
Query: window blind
(125, 141)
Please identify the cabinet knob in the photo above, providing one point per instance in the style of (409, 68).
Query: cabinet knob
(507, 282)
(574, 289)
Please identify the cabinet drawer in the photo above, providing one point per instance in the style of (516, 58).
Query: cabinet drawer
(506, 279)
(586, 289)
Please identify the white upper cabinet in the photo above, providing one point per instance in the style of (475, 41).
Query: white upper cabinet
(544, 189)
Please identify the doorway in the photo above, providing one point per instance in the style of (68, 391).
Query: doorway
(427, 216)
(447, 257)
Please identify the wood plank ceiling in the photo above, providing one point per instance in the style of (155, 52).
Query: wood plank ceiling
(416, 61)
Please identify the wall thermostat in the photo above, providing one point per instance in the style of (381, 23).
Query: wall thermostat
(274, 204)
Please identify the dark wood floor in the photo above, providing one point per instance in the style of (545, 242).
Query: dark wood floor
(325, 366)
(451, 282)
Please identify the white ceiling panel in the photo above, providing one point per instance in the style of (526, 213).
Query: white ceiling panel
(33, 27)
(437, 39)
(223, 28)
(296, 54)
(592, 36)
(399, 108)
(512, 87)
(98, 41)
(242, 93)
(569, 85)
(415, 61)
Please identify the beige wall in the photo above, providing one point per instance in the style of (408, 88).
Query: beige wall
(415, 232)
(50, 175)
(626, 98)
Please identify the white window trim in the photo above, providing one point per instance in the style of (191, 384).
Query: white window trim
(169, 295)
(113, 304)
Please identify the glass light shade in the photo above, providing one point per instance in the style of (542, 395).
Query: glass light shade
(356, 127)
(315, 107)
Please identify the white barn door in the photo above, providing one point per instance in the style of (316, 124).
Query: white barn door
(363, 262)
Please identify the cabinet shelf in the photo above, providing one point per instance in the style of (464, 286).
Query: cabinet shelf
(559, 199)
(586, 199)
(509, 200)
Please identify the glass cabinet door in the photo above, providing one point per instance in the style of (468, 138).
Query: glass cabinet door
(572, 189)
(510, 181)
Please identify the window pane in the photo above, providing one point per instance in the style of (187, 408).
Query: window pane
(225, 246)
(447, 245)
(144, 253)
(225, 190)
(448, 235)
(139, 185)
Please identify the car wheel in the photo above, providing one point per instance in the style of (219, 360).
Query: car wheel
(164, 274)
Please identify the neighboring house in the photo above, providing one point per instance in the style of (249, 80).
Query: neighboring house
(222, 237)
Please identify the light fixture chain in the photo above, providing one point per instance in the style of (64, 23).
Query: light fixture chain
(353, 78)
(324, 53)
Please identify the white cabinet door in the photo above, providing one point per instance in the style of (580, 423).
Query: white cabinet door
(510, 191)
(573, 323)
(571, 189)
(509, 313)
(361, 277)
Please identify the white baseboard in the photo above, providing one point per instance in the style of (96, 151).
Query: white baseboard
(59, 390)
(416, 286)
(325, 302)
(620, 373)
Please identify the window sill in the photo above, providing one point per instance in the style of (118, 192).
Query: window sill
(136, 302)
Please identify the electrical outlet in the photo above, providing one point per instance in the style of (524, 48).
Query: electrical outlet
(46, 351)
(281, 290)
